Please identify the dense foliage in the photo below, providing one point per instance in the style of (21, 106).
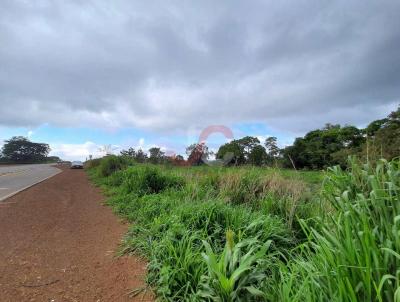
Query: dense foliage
(384, 137)
(333, 144)
(250, 234)
(19, 149)
(244, 150)
(109, 164)
(319, 148)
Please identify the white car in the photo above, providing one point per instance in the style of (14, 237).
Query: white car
(76, 165)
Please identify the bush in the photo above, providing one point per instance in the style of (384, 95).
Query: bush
(110, 164)
(149, 180)
(93, 163)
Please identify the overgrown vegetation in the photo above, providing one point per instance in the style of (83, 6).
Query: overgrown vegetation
(354, 255)
(109, 164)
(253, 234)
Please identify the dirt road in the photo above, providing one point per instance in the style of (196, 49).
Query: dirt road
(58, 243)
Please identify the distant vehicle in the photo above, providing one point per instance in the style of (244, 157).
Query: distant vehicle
(76, 165)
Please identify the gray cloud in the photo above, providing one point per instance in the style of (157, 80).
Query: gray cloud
(169, 65)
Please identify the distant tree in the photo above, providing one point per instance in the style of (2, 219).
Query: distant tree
(383, 140)
(196, 153)
(131, 152)
(351, 137)
(198, 146)
(273, 151)
(156, 155)
(247, 144)
(141, 156)
(375, 126)
(189, 149)
(232, 148)
(271, 145)
(53, 159)
(258, 155)
(21, 149)
(241, 149)
(324, 147)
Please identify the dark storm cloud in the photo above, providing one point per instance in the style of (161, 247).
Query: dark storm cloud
(168, 65)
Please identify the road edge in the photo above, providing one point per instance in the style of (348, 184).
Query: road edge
(31, 185)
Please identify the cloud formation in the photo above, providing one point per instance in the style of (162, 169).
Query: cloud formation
(165, 66)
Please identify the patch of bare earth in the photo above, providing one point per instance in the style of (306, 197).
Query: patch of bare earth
(58, 243)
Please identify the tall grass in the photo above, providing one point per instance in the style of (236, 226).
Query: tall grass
(213, 234)
(355, 254)
(176, 213)
(110, 164)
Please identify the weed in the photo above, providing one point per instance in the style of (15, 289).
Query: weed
(293, 240)
(237, 273)
(354, 256)
(110, 164)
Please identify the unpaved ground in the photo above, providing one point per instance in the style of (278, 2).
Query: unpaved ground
(58, 243)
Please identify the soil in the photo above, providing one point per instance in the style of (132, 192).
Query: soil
(58, 242)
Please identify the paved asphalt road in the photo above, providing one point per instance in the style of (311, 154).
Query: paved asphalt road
(16, 178)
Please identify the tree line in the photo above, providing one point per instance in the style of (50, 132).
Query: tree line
(333, 144)
(318, 149)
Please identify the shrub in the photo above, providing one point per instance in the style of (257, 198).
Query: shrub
(150, 180)
(110, 164)
(93, 163)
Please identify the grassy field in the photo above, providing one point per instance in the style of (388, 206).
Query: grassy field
(259, 234)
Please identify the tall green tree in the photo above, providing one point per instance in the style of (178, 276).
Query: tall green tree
(241, 149)
(383, 138)
(20, 149)
(273, 151)
(141, 156)
(156, 155)
(232, 148)
(131, 152)
(324, 147)
(247, 144)
(258, 155)
(271, 144)
(375, 126)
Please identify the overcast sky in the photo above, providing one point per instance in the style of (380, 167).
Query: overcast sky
(165, 69)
